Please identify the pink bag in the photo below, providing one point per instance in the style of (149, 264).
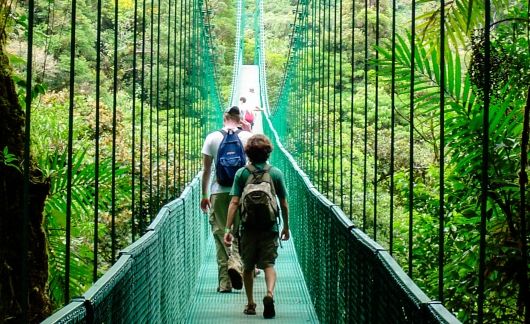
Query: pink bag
(249, 116)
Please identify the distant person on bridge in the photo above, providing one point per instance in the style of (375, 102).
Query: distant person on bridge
(247, 113)
(254, 193)
(217, 199)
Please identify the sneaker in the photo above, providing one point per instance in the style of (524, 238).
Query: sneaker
(268, 307)
(257, 271)
(235, 278)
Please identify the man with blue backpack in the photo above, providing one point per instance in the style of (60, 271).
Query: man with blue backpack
(223, 153)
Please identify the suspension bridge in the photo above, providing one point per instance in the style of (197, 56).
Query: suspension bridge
(335, 269)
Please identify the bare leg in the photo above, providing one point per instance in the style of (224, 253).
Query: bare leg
(248, 280)
(270, 280)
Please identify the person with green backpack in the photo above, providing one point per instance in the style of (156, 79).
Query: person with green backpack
(254, 192)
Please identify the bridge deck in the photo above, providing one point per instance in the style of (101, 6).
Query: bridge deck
(292, 301)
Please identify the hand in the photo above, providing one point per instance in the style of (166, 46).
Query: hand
(245, 125)
(285, 234)
(228, 239)
(205, 204)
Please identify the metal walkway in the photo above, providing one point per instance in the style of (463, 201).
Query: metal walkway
(292, 301)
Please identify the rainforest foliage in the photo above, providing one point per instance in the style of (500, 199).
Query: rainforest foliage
(378, 151)
(345, 150)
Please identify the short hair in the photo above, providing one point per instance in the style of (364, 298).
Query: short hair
(258, 148)
(232, 113)
(243, 99)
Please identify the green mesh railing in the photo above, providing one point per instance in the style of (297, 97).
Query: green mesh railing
(155, 277)
(350, 277)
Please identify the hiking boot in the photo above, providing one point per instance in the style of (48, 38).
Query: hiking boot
(235, 278)
(268, 307)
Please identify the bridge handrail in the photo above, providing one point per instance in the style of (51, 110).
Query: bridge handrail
(154, 277)
(350, 277)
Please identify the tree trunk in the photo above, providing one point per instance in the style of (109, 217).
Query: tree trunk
(12, 136)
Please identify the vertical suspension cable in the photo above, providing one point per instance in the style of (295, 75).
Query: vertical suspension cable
(69, 154)
(320, 105)
(312, 126)
(181, 87)
(27, 140)
(392, 127)
(133, 128)
(142, 110)
(114, 109)
(352, 101)
(96, 149)
(365, 165)
(328, 75)
(174, 92)
(334, 137)
(189, 77)
(376, 114)
(158, 41)
(151, 62)
(442, 156)
(341, 112)
(306, 89)
(522, 189)
(195, 80)
(184, 85)
(166, 198)
(411, 135)
(485, 162)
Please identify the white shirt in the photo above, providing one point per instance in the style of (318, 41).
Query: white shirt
(211, 147)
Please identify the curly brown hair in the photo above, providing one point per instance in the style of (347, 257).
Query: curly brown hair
(258, 148)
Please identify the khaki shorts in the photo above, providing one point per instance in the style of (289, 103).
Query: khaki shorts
(258, 249)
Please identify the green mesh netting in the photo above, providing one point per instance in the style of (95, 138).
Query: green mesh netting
(155, 277)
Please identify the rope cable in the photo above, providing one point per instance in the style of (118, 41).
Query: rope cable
(442, 156)
(142, 113)
(341, 112)
(411, 136)
(133, 127)
(365, 155)
(151, 63)
(97, 142)
(114, 125)
(376, 115)
(158, 41)
(485, 163)
(352, 101)
(392, 126)
(166, 198)
(71, 104)
(26, 165)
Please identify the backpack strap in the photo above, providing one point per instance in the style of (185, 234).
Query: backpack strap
(222, 131)
(255, 172)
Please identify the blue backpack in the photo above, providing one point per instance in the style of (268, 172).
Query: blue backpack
(230, 157)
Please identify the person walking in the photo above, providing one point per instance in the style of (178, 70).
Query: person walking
(253, 184)
(215, 195)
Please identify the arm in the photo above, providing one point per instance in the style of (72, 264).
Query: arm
(206, 173)
(232, 209)
(285, 217)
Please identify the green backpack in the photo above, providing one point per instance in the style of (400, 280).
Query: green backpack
(259, 207)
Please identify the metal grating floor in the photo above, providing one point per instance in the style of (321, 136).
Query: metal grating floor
(292, 301)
